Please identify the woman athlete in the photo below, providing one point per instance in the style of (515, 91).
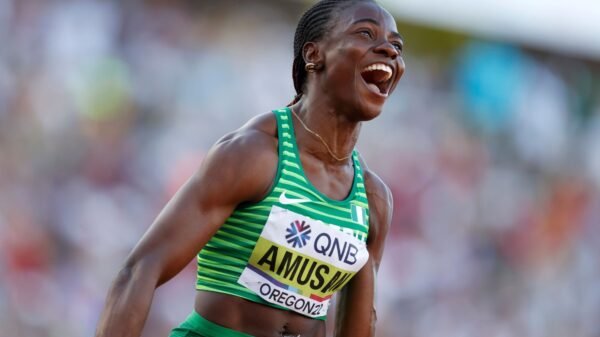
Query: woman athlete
(283, 211)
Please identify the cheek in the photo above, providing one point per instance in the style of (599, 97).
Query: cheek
(343, 64)
(401, 67)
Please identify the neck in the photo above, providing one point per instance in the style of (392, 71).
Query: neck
(330, 123)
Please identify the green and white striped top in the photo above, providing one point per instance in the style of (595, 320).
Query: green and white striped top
(233, 249)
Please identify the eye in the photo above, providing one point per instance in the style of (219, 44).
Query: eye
(366, 33)
(398, 46)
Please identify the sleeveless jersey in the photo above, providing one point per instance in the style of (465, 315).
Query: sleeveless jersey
(294, 249)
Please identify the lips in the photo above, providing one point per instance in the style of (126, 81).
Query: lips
(378, 78)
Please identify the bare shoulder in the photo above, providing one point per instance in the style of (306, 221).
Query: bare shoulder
(378, 193)
(377, 188)
(245, 159)
(260, 130)
(264, 123)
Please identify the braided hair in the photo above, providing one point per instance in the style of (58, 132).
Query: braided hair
(313, 25)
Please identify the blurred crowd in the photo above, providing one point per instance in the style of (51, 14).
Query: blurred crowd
(492, 152)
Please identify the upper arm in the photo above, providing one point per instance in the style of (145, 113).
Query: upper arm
(239, 168)
(380, 209)
(356, 310)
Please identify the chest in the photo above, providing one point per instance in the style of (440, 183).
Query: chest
(333, 181)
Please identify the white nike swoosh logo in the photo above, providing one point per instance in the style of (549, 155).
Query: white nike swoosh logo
(283, 199)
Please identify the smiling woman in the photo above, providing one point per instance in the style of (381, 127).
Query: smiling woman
(283, 213)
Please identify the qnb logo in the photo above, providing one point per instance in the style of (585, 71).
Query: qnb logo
(298, 234)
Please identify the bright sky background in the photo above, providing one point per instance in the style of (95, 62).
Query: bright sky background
(566, 26)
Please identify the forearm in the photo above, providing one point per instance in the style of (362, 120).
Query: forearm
(360, 322)
(127, 305)
(355, 316)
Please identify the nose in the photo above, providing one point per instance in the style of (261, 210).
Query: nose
(388, 49)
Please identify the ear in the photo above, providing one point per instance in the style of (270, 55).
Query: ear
(311, 53)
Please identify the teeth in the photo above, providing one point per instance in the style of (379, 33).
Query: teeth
(382, 67)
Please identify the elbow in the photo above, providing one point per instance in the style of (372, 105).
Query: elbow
(124, 276)
(373, 320)
(134, 271)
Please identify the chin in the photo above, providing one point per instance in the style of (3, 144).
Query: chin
(368, 100)
(369, 105)
(370, 110)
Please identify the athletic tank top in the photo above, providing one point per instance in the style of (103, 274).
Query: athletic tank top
(294, 249)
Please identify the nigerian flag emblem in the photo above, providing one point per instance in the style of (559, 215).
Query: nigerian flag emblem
(359, 215)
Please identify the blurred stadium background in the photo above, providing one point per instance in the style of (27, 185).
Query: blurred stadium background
(491, 145)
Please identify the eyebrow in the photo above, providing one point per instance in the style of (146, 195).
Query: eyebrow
(375, 22)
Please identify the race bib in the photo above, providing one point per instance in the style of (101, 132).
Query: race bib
(299, 263)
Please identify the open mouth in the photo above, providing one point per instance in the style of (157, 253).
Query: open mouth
(378, 77)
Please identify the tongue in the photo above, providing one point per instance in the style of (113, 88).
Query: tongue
(373, 88)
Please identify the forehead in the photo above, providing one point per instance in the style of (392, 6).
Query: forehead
(366, 10)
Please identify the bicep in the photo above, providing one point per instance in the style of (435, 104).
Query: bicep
(381, 205)
(356, 311)
(379, 221)
(179, 231)
(227, 178)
